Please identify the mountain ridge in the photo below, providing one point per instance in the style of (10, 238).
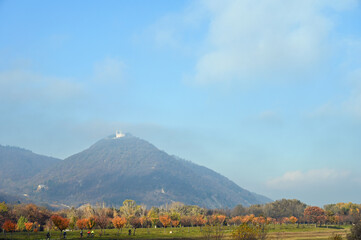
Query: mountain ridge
(19, 165)
(129, 167)
(114, 169)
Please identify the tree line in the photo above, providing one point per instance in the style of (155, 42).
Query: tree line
(30, 217)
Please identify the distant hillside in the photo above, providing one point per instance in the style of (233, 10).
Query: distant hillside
(19, 165)
(7, 198)
(115, 169)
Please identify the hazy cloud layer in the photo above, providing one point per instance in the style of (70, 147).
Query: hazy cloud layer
(317, 186)
(249, 39)
(23, 86)
(299, 179)
(109, 70)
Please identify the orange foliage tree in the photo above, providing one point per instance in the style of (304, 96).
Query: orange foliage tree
(200, 221)
(119, 222)
(165, 220)
(259, 220)
(90, 223)
(145, 221)
(237, 220)
(285, 220)
(293, 219)
(81, 223)
(9, 226)
(175, 223)
(315, 215)
(29, 227)
(221, 219)
(247, 218)
(60, 222)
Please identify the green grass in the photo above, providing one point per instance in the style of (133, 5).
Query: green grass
(275, 232)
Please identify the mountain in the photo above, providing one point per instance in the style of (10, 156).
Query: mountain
(19, 165)
(115, 169)
(12, 199)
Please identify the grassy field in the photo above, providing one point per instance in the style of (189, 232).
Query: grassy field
(275, 232)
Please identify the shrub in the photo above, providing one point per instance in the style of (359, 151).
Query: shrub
(249, 232)
(355, 232)
(336, 237)
(213, 232)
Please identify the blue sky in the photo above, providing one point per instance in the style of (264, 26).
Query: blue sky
(267, 93)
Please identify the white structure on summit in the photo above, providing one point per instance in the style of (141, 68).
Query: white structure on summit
(119, 134)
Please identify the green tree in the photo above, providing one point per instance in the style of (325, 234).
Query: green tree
(153, 216)
(3, 207)
(21, 224)
(238, 210)
(284, 208)
(130, 208)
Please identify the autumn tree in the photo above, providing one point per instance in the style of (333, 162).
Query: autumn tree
(90, 223)
(248, 218)
(134, 221)
(285, 220)
(249, 232)
(221, 219)
(29, 227)
(175, 223)
(315, 215)
(145, 222)
(81, 223)
(165, 220)
(60, 222)
(72, 223)
(119, 222)
(293, 219)
(36, 214)
(175, 218)
(186, 221)
(102, 221)
(153, 216)
(212, 220)
(200, 221)
(9, 226)
(235, 220)
(261, 221)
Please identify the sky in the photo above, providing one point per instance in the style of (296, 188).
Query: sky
(265, 92)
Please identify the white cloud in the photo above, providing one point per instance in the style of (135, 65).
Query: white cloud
(178, 30)
(23, 86)
(298, 180)
(349, 105)
(109, 70)
(253, 39)
(270, 116)
(316, 186)
(353, 103)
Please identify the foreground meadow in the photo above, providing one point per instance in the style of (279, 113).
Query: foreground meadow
(274, 232)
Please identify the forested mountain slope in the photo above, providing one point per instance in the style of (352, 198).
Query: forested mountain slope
(115, 169)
